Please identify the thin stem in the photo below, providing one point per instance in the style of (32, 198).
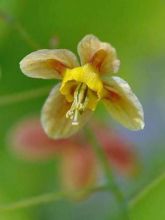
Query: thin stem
(111, 182)
(47, 198)
(33, 201)
(140, 195)
(23, 96)
(8, 19)
(57, 196)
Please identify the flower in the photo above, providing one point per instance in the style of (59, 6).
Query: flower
(120, 152)
(78, 167)
(71, 102)
(28, 141)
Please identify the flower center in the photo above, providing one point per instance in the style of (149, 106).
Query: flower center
(79, 103)
(83, 87)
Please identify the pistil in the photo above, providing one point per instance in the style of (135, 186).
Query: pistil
(79, 103)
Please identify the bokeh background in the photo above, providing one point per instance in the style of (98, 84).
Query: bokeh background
(136, 29)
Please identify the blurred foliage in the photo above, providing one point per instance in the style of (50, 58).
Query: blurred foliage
(136, 30)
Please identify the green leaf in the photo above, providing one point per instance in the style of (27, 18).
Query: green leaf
(149, 205)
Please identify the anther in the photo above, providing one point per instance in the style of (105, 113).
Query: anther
(79, 103)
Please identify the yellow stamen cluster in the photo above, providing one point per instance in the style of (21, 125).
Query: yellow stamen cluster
(83, 87)
(79, 104)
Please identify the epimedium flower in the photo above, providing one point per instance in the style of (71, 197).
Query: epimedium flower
(119, 151)
(28, 141)
(71, 102)
(78, 167)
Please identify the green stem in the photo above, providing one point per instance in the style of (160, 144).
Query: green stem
(111, 182)
(47, 198)
(23, 96)
(142, 193)
(57, 196)
(8, 19)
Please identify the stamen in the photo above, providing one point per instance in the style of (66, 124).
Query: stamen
(75, 117)
(79, 103)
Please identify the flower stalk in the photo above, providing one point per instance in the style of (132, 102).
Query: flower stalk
(47, 198)
(111, 182)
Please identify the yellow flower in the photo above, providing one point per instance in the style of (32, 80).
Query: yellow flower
(71, 103)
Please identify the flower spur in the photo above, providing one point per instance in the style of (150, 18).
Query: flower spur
(71, 103)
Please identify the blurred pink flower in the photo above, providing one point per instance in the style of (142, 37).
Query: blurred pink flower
(79, 167)
(29, 141)
(119, 151)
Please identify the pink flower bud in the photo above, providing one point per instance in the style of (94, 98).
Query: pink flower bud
(78, 168)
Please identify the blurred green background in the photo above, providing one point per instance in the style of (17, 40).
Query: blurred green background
(136, 29)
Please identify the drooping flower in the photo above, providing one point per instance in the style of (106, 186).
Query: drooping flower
(79, 167)
(72, 101)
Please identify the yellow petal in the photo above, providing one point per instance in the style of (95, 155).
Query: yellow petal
(53, 116)
(122, 103)
(48, 64)
(100, 54)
